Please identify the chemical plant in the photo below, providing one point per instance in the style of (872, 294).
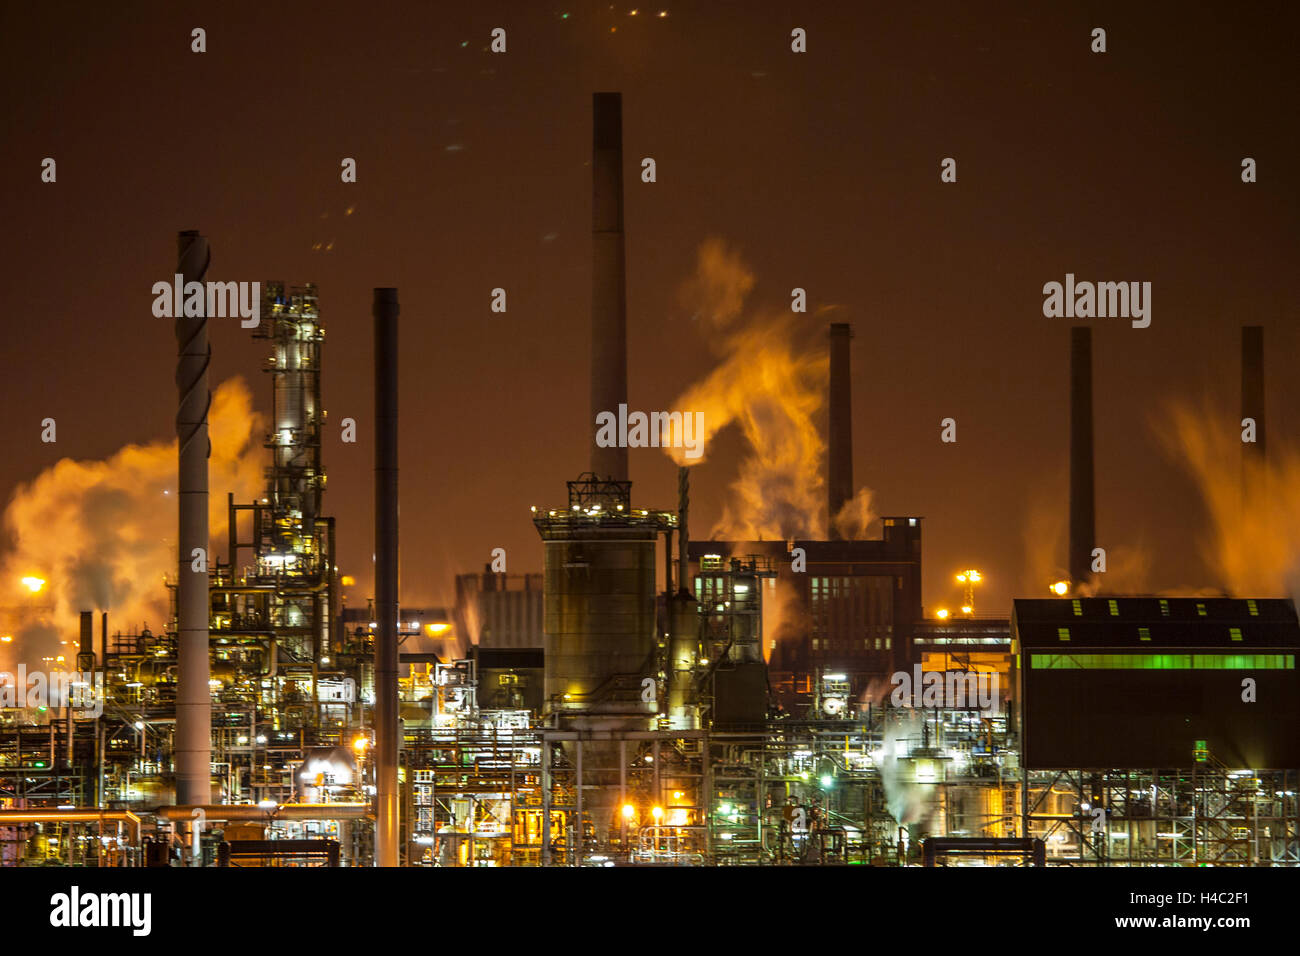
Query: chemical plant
(641, 701)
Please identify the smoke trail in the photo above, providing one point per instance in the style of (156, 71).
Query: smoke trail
(773, 387)
(1254, 506)
(905, 801)
(103, 533)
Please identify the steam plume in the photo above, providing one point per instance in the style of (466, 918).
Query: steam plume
(773, 387)
(1254, 507)
(103, 533)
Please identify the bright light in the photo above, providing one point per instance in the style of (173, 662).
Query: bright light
(1060, 588)
(347, 580)
(628, 811)
(827, 781)
(657, 813)
(961, 577)
(966, 609)
(441, 627)
(360, 744)
(34, 584)
(267, 804)
(8, 638)
(942, 614)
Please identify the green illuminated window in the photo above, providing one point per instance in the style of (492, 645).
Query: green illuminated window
(1200, 609)
(1078, 608)
(1254, 608)
(1144, 633)
(1235, 633)
(1063, 633)
(1163, 662)
(1114, 608)
(1164, 607)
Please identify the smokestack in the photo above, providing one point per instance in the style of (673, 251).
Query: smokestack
(86, 647)
(386, 729)
(839, 478)
(608, 284)
(1082, 517)
(1252, 388)
(193, 696)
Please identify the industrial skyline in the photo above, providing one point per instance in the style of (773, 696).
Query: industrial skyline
(817, 169)
(910, 447)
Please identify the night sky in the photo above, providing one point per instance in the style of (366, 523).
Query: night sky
(821, 169)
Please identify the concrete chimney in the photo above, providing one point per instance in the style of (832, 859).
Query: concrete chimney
(193, 696)
(386, 713)
(839, 477)
(608, 284)
(1082, 516)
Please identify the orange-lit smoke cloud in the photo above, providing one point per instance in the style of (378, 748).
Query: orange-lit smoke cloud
(773, 388)
(103, 533)
(1254, 545)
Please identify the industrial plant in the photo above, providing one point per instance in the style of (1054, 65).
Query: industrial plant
(645, 694)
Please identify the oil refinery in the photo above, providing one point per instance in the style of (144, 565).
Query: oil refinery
(651, 697)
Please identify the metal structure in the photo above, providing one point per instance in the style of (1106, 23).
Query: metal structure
(1082, 517)
(386, 718)
(193, 700)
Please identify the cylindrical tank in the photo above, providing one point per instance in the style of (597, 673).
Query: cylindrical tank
(599, 619)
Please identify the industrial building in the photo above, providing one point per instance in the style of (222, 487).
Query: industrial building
(607, 714)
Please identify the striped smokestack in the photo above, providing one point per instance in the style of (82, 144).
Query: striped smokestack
(193, 696)
(839, 477)
(608, 288)
(1082, 517)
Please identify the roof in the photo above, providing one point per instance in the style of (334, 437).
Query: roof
(1141, 623)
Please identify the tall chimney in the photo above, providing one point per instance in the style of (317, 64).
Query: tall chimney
(193, 696)
(839, 478)
(1082, 517)
(608, 285)
(386, 714)
(86, 646)
(1252, 388)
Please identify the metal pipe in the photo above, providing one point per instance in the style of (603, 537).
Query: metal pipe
(839, 458)
(284, 811)
(193, 696)
(1082, 505)
(683, 530)
(75, 815)
(608, 280)
(386, 707)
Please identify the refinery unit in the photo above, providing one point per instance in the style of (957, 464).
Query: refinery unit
(621, 711)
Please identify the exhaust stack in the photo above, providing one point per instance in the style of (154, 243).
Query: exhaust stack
(1252, 388)
(386, 729)
(839, 478)
(1082, 505)
(608, 283)
(193, 696)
